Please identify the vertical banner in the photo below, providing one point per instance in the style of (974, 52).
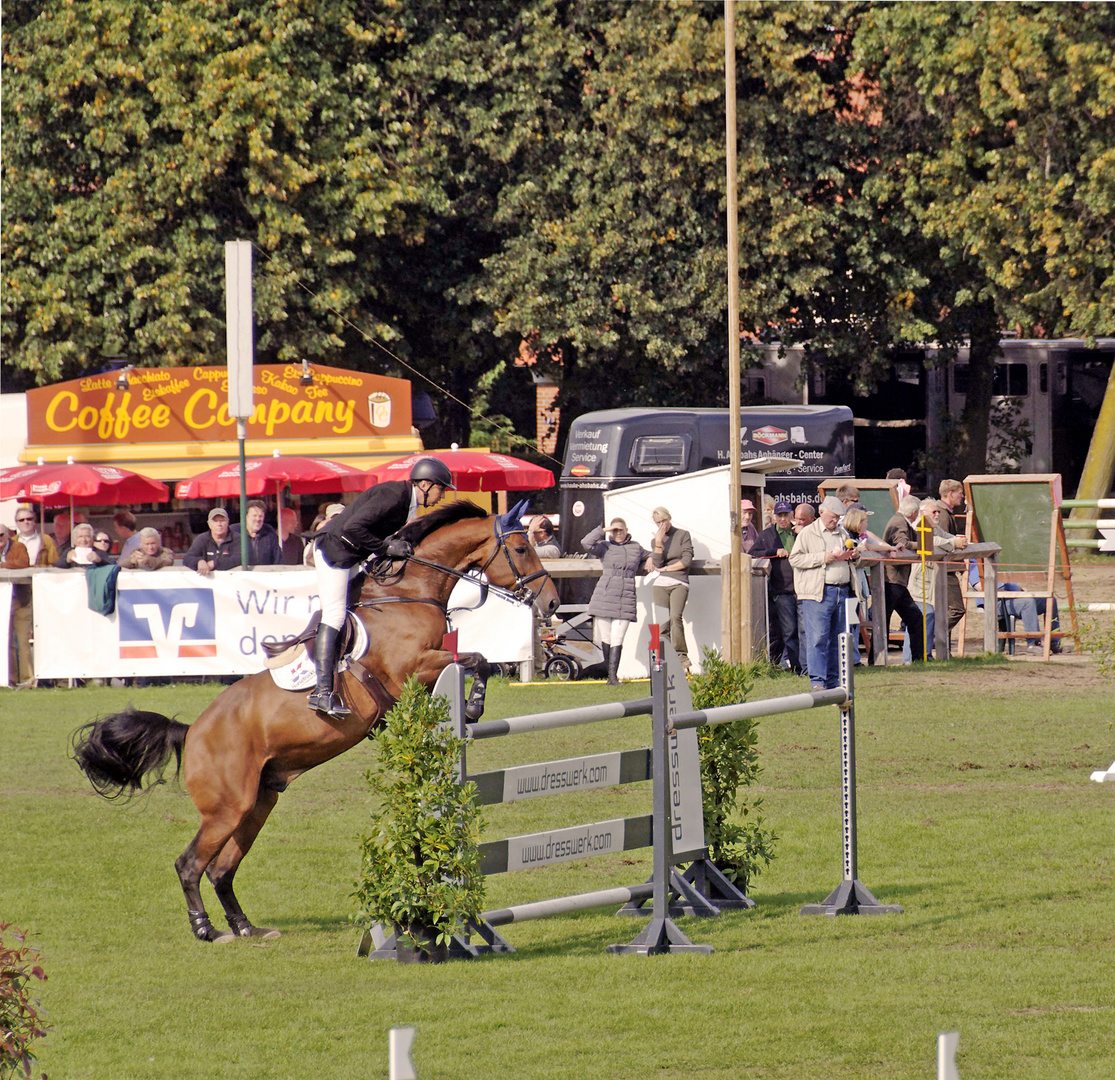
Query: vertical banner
(687, 811)
(6, 621)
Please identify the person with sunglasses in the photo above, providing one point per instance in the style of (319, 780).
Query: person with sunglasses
(83, 552)
(41, 551)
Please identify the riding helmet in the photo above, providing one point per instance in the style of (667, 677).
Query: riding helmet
(431, 469)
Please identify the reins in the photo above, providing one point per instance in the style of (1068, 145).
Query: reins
(520, 593)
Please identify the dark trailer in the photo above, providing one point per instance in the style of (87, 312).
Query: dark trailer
(620, 447)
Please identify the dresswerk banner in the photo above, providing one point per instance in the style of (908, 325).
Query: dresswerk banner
(160, 405)
(176, 622)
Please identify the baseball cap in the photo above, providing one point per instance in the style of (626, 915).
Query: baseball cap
(860, 506)
(783, 508)
(333, 509)
(218, 512)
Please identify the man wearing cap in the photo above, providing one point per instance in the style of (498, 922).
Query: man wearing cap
(824, 580)
(363, 529)
(215, 549)
(776, 542)
(749, 533)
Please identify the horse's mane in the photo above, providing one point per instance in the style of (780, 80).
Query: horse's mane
(416, 531)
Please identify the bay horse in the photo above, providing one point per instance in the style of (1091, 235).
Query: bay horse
(255, 738)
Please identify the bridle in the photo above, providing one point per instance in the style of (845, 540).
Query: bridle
(520, 592)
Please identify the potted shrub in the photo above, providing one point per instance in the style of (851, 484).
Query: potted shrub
(420, 868)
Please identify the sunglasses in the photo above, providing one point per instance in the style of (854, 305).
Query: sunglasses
(25, 519)
(101, 540)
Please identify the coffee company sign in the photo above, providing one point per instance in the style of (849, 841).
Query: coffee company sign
(177, 405)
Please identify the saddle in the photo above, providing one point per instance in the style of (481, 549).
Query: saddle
(291, 661)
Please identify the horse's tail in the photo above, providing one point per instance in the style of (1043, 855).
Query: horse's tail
(118, 751)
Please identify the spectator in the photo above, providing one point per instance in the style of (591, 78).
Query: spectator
(804, 514)
(1028, 609)
(952, 495)
(290, 539)
(854, 524)
(775, 543)
(847, 494)
(13, 556)
(768, 510)
(901, 534)
(748, 531)
(63, 526)
(214, 550)
(83, 553)
(124, 525)
(612, 605)
(543, 539)
(901, 488)
(150, 555)
(671, 555)
(264, 548)
(41, 551)
(331, 511)
(824, 580)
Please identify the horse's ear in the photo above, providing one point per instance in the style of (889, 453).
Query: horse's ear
(510, 522)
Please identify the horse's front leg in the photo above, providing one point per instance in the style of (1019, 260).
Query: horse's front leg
(481, 669)
(433, 663)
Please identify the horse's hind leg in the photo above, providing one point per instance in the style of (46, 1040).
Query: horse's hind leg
(223, 868)
(203, 848)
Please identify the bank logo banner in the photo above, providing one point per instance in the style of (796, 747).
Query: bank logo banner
(166, 623)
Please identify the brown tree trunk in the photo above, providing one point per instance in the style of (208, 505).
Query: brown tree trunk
(974, 421)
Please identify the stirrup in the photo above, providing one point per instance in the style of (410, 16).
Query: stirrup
(328, 702)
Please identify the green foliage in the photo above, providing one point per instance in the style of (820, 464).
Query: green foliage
(1013, 438)
(420, 864)
(729, 762)
(1098, 639)
(21, 1017)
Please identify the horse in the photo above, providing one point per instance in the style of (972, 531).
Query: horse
(255, 738)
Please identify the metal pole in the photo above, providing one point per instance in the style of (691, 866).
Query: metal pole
(735, 650)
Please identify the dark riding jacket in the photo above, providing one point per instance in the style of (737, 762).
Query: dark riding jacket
(363, 528)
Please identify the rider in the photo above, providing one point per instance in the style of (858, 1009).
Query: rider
(364, 529)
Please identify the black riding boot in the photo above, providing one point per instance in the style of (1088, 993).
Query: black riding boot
(613, 665)
(323, 699)
(607, 651)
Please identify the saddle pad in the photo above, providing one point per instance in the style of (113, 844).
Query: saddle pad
(293, 668)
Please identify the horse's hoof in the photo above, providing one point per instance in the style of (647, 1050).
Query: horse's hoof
(222, 937)
(263, 933)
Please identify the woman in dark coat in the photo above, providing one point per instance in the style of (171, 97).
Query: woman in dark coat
(612, 606)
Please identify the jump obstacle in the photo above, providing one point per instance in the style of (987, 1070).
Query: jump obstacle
(674, 829)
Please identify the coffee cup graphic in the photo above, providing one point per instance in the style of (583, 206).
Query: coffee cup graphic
(379, 409)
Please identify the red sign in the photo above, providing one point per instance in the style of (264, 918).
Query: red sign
(769, 435)
(160, 405)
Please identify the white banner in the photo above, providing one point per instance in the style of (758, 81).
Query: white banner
(6, 620)
(176, 622)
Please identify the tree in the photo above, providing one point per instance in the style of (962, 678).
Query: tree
(997, 138)
(137, 140)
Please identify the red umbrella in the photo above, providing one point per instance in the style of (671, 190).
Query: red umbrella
(306, 476)
(79, 483)
(472, 471)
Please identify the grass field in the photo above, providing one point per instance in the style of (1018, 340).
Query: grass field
(976, 814)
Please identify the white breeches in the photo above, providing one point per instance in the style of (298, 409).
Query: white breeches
(609, 631)
(332, 582)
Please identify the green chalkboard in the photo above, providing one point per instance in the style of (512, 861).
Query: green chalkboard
(876, 495)
(1017, 514)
